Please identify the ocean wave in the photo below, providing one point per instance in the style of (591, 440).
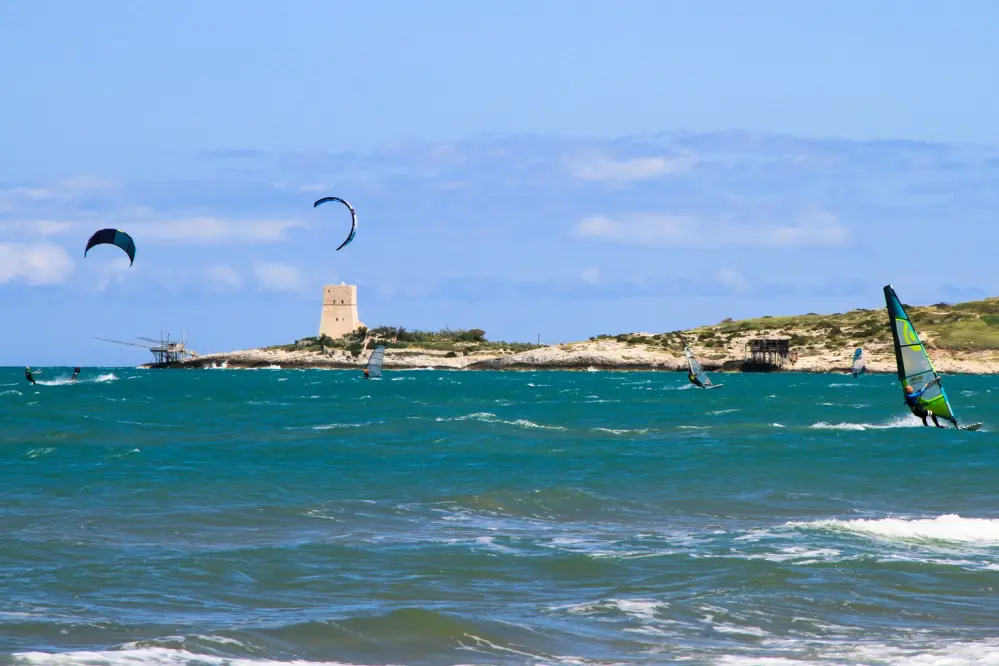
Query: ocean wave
(900, 422)
(336, 426)
(488, 417)
(864, 650)
(945, 528)
(622, 431)
(152, 657)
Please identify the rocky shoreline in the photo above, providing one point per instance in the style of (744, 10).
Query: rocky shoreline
(605, 355)
(960, 339)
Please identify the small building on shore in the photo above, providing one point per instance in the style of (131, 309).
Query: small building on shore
(339, 310)
(768, 354)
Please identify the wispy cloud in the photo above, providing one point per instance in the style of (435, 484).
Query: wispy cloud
(962, 292)
(224, 277)
(64, 190)
(640, 168)
(212, 230)
(37, 264)
(723, 283)
(51, 227)
(275, 276)
(590, 275)
(186, 230)
(686, 231)
(113, 271)
(732, 280)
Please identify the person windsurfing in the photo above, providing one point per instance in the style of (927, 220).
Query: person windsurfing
(912, 402)
(29, 375)
(367, 374)
(694, 380)
(76, 374)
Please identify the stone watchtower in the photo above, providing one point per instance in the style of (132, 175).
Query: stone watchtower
(339, 310)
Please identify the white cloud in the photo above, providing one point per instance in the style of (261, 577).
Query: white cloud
(64, 190)
(211, 230)
(820, 229)
(731, 279)
(50, 227)
(80, 185)
(36, 264)
(279, 277)
(641, 168)
(224, 277)
(642, 229)
(112, 271)
(591, 275)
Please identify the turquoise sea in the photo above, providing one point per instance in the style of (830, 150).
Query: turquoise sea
(278, 517)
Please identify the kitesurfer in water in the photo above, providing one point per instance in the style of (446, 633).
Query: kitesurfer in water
(29, 375)
(912, 402)
(693, 379)
(76, 374)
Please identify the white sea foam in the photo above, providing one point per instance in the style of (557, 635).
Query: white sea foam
(335, 426)
(151, 656)
(624, 431)
(949, 528)
(68, 381)
(488, 417)
(640, 609)
(900, 422)
(868, 652)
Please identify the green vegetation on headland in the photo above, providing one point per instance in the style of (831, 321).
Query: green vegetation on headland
(970, 327)
(962, 337)
(462, 341)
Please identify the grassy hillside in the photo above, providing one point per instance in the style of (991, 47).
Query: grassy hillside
(969, 327)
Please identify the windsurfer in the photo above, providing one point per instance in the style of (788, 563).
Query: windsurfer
(367, 374)
(912, 401)
(694, 380)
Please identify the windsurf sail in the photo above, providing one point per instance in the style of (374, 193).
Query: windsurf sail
(695, 368)
(914, 366)
(859, 366)
(374, 366)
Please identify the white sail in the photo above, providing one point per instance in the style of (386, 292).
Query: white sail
(375, 361)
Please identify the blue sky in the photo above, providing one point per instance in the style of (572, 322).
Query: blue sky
(558, 167)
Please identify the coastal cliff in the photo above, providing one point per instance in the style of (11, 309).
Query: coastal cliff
(961, 338)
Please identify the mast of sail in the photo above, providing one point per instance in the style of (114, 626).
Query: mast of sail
(914, 365)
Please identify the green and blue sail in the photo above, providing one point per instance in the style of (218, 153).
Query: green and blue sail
(914, 366)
